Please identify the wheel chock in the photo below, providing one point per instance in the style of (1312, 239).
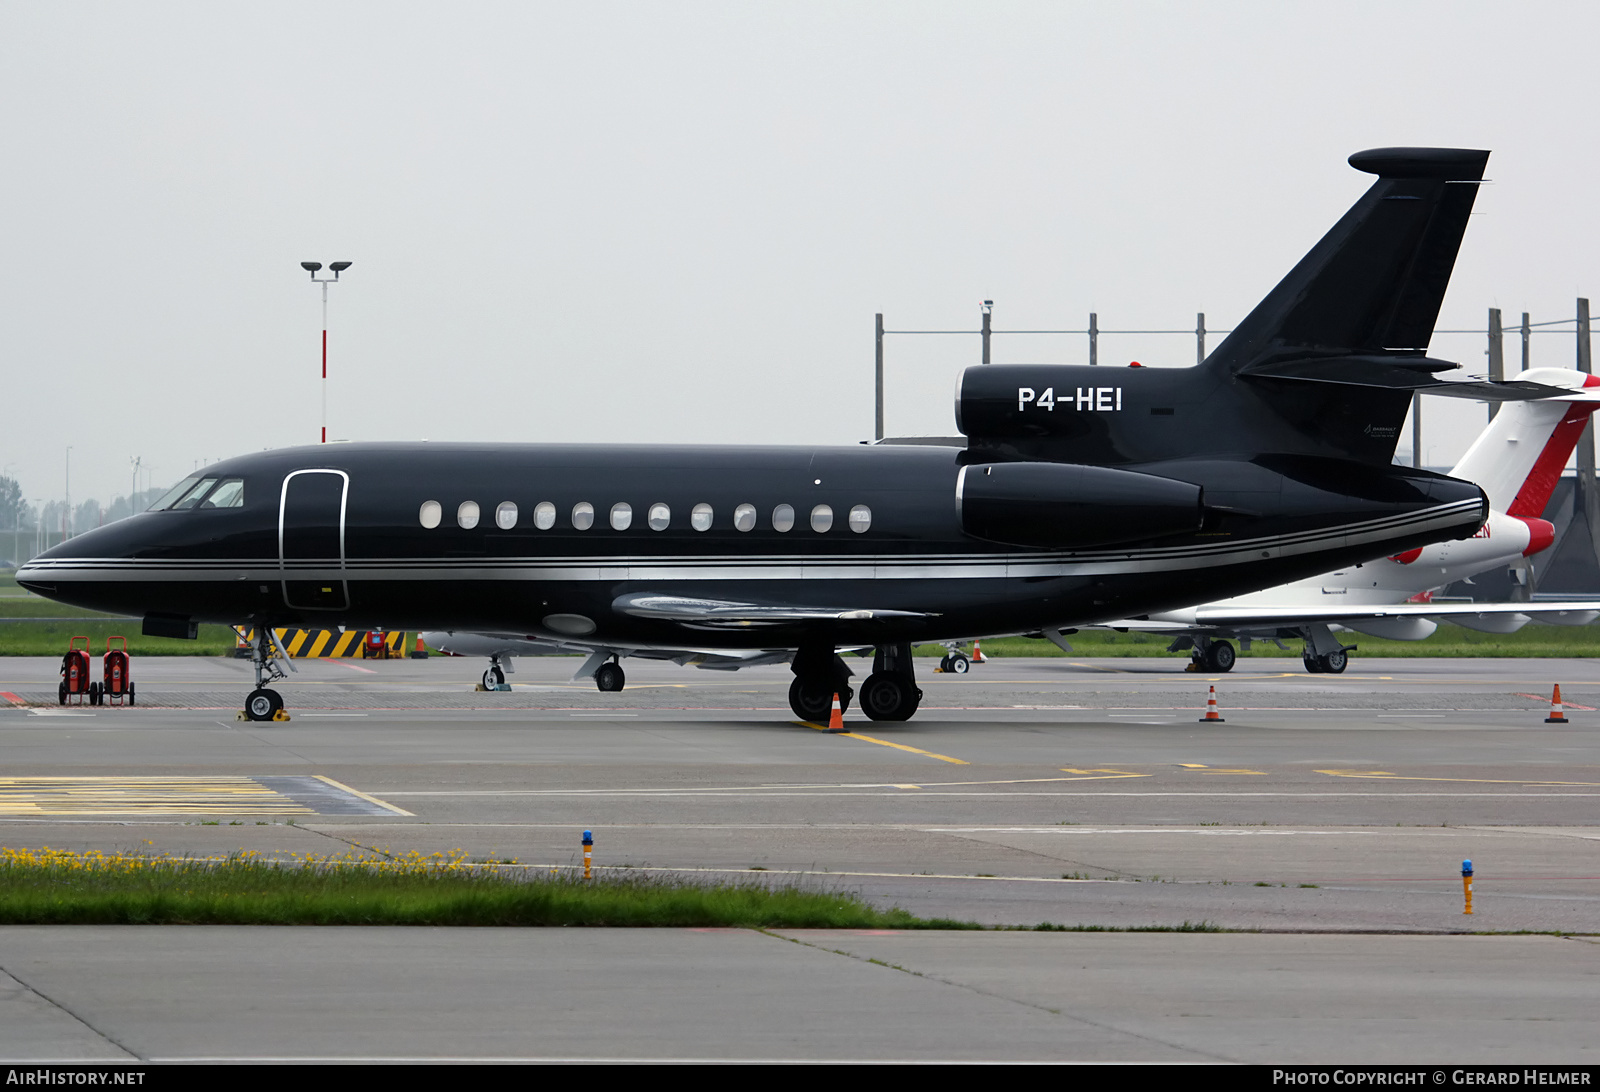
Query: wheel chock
(240, 715)
(280, 715)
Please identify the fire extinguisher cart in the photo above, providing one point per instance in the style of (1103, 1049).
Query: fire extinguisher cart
(75, 684)
(116, 683)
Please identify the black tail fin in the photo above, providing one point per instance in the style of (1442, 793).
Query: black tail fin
(1325, 365)
(1373, 285)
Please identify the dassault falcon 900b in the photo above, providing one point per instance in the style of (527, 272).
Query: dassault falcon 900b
(1084, 494)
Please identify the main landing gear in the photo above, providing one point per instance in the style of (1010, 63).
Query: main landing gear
(890, 693)
(264, 703)
(609, 678)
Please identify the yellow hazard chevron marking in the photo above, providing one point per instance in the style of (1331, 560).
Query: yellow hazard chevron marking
(142, 795)
(322, 643)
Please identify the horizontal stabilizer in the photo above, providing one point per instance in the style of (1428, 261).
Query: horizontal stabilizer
(1406, 373)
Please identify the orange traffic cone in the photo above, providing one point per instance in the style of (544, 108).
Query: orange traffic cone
(836, 718)
(1556, 716)
(1211, 708)
(977, 653)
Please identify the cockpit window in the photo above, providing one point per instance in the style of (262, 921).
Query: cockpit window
(192, 497)
(229, 493)
(179, 490)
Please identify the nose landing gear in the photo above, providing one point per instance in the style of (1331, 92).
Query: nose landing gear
(264, 703)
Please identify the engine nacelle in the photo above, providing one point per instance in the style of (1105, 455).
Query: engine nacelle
(1067, 505)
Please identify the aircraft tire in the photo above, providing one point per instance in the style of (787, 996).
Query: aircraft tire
(262, 704)
(1334, 663)
(494, 677)
(959, 664)
(889, 697)
(1220, 657)
(1313, 664)
(812, 699)
(610, 678)
(944, 664)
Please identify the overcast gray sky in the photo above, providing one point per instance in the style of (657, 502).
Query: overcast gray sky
(674, 222)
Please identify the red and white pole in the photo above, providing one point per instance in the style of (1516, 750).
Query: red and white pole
(324, 361)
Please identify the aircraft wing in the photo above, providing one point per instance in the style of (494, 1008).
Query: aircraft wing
(727, 614)
(1572, 612)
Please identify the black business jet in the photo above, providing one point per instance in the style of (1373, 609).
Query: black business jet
(1083, 494)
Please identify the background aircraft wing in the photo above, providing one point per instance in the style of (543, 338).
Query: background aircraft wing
(1571, 612)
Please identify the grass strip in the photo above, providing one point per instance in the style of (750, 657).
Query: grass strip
(52, 887)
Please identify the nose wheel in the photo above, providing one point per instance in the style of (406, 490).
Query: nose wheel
(262, 702)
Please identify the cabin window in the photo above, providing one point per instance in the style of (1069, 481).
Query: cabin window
(505, 516)
(583, 515)
(700, 517)
(621, 516)
(467, 515)
(783, 517)
(744, 517)
(228, 494)
(660, 516)
(544, 515)
(860, 519)
(821, 518)
(429, 514)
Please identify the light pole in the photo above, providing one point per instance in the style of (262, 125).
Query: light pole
(335, 268)
(66, 518)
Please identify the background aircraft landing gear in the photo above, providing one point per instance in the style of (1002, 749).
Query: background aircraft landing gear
(610, 678)
(891, 691)
(1211, 654)
(1333, 663)
(494, 676)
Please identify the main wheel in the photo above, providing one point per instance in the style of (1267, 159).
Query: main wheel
(262, 704)
(944, 664)
(958, 663)
(1334, 663)
(812, 699)
(610, 678)
(889, 697)
(1313, 663)
(1220, 657)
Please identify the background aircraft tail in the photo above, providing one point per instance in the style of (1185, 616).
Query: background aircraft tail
(1519, 458)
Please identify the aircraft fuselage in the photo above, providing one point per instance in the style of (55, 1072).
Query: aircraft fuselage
(532, 539)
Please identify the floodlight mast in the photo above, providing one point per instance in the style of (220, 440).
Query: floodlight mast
(335, 268)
